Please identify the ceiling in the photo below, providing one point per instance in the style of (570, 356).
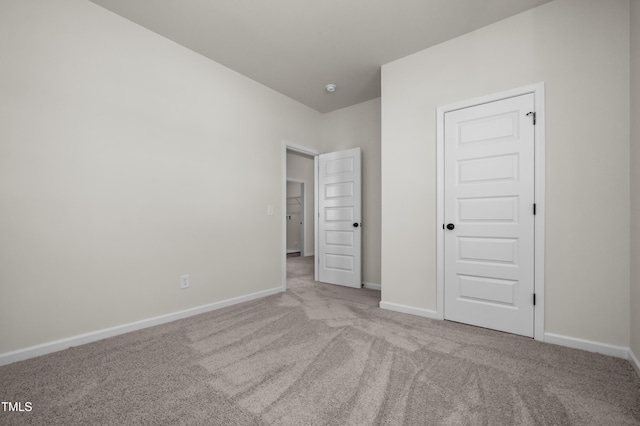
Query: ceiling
(297, 47)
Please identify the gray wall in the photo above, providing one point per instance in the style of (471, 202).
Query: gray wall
(122, 157)
(118, 145)
(580, 49)
(359, 126)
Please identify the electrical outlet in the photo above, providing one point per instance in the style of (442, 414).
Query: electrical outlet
(184, 281)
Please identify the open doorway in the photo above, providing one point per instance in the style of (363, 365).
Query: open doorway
(295, 218)
(335, 215)
(298, 222)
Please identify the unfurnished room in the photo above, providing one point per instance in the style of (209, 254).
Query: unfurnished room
(284, 212)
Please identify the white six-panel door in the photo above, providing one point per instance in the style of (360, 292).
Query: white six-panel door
(489, 200)
(339, 221)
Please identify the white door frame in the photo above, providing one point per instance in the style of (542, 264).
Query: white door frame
(290, 146)
(303, 213)
(538, 91)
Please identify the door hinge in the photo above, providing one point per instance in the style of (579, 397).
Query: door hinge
(534, 208)
(534, 116)
(534, 299)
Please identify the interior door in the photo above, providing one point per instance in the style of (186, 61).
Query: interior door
(489, 213)
(339, 221)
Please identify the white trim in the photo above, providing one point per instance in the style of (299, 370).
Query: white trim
(290, 146)
(538, 91)
(587, 345)
(440, 212)
(634, 362)
(81, 339)
(316, 215)
(372, 286)
(303, 219)
(540, 185)
(555, 339)
(427, 313)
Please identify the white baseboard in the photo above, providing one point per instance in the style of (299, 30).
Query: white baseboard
(556, 339)
(634, 361)
(372, 286)
(587, 345)
(427, 313)
(81, 339)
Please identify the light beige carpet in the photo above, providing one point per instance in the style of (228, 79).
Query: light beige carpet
(320, 355)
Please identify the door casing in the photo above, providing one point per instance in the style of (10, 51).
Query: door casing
(537, 90)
